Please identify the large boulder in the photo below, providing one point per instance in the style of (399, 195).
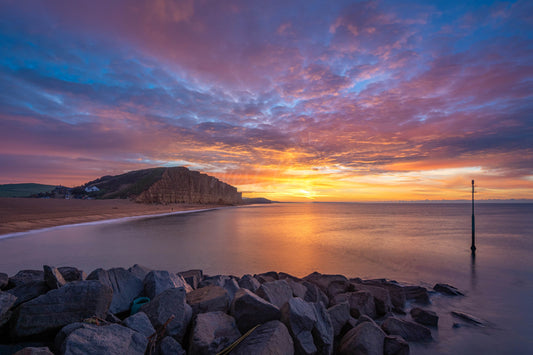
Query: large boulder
(126, 287)
(226, 282)
(323, 280)
(269, 338)
(71, 303)
(267, 276)
(170, 346)
(158, 281)
(382, 299)
(276, 292)
(212, 333)
(139, 271)
(323, 333)
(396, 292)
(192, 277)
(298, 289)
(28, 291)
(300, 318)
(7, 301)
(208, 299)
(314, 293)
(364, 339)
(248, 309)
(42, 350)
(361, 303)
(249, 282)
(140, 323)
(395, 345)
(53, 277)
(424, 317)
(170, 303)
(417, 294)
(25, 276)
(339, 286)
(4, 280)
(447, 290)
(408, 330)
(339, 315)
(70, 273)
(109, 339)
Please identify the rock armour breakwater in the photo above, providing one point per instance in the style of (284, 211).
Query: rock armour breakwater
(189, 312)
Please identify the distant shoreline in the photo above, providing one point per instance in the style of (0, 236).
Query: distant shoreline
(22, 215)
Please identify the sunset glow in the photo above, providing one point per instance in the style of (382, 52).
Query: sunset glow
(288, 100)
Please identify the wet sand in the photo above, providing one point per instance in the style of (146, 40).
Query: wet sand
(24, 214)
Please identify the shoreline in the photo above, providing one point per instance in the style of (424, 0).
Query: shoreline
(20, 216)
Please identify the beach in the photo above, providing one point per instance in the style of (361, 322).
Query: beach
(24, 214)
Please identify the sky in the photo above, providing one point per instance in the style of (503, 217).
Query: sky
(289, 100)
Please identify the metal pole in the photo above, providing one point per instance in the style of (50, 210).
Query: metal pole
(473, 247)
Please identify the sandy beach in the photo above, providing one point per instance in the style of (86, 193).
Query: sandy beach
(24, 214)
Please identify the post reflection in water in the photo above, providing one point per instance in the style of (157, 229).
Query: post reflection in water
(473, 276)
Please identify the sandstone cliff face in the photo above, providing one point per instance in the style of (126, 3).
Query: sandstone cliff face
(180, 185)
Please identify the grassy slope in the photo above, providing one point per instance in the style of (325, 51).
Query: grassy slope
(23, 190)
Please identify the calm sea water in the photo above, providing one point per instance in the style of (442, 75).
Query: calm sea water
(413, 243)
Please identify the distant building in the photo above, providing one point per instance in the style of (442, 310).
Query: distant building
(92, 189)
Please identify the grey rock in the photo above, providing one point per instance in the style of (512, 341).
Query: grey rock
(208, 299)
(192, 277)
(4, 280)
(339, 315)
(167, 304)
(408, 330)
(314, 293)
(396, 292)
(108, 339)
(158, 281)
(34, 351)
(447, 290)
(249, 282)
(323, 333)
(339, 286)
(362, 319)
(366, 338)
(285, 276)
(169, 346)
(28, 291)
(24, 277)
(212, 333)
(139, 271)
(226, 282)
(395, 345)
(416, 293)
(267, 276)
(361, 303)
(126, 287)
(424, 317)
(7, 301)
(71, 303)
(468, 318)
(382, 299)
(276, 292)
(269, 338)
(111, 318)
(53, 277)
(248, 309)
(140, 323)
(300, 318)
(70, 273)
(298, 289)
(323, 280)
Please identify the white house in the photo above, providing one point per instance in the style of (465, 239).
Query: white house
(91, 189)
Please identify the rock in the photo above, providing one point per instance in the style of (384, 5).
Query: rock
(170, 303)
(396, 292)
(249, 282)
(72, 274)
(208, 299)
(28, 291)
(314, 294)
(226, 282)
(468, 318)
(366, 338)
(285, 276)
(107, 339)
(126, 287)
(339, 315)
(337, 287)
(53, 277)
(140, 323)
(408, 330)
(25, 276)
(269, 338)
(361, 302)
(424, 317)
(416, 293)
(169, 346)
(382, 299)
(323, 280)
(139, 271)
(4, 280)
(192, 277)
(212, 333)
(34, 351)
(267, 277)
(71, 303)
(156, 282)
(248, 309)
(395, 345)
(298, 289)
(363, 319)
(276, 292)
(7, 301)
(300, 318)
(111, 318)
(323, 333)
(447, 290)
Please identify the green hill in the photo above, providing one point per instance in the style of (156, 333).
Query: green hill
(23, 190)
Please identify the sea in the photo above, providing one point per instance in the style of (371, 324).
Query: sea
(412, 243)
